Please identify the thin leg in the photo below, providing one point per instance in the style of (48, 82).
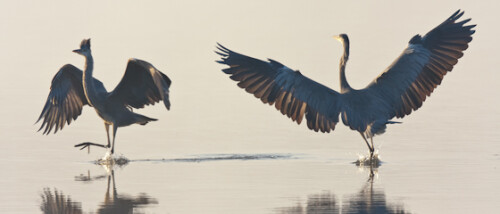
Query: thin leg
(366, 141)
(115, 127)
(88, 144)
(368, 144)
(373, 147)
(106, 125)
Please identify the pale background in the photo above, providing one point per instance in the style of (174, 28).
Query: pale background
(443, 158)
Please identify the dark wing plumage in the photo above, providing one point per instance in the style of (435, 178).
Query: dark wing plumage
(421, 67)
(291, 93)
(142, 84)
(65, 101)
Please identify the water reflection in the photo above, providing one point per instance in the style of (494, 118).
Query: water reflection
(323, 203)
(368, 200)
(113, 202)
(57, 202)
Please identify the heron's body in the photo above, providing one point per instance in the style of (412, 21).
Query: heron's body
(362, 105)
(112, 112)
(399, 90)
(71, 89)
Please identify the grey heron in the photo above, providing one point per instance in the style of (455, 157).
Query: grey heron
(71, 89)
(399, 90)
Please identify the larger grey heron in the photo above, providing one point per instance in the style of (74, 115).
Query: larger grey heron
(399, 90)
(71, 89)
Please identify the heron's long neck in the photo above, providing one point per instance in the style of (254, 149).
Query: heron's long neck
(344, 85)
(88, 84)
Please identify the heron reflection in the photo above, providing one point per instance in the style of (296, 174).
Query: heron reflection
(56, 202)
(367, 200)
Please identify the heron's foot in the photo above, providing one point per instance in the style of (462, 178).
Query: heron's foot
(372, 160)
(110, 160)
(88, 144)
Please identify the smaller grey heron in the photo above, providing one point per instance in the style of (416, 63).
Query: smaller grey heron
(399, 90)
(71, 89)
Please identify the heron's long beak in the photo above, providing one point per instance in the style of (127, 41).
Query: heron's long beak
(77, 50)
(337, 37)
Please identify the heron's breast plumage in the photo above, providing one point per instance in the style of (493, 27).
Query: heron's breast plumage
(361, 109)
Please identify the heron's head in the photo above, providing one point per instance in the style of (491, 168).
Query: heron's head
(342, 38)
(84, 48)
(345, 42)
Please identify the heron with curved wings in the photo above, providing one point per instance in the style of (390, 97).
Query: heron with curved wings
(71, 89)
(399, 90)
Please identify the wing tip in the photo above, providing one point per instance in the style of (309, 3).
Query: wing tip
(222, 54)
(222, 50)
(166, 102)
(456, 15)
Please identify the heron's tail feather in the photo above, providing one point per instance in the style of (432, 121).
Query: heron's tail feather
(378, 127)
(143, 120)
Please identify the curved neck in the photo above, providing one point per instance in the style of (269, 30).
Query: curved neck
(88, 84)
(344, 85)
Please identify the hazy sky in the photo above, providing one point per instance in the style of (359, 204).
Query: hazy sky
(179, 38)
(209, 113)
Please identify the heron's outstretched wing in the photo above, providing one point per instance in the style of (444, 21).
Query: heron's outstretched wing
(291, 93)
(142, 84)
(421, 67)
(66, 99)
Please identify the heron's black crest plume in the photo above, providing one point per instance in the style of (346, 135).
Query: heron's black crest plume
(85, 44)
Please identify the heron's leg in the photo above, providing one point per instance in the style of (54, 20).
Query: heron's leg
(368, 144)
(373, 147)
(115, 127)
(106, 125)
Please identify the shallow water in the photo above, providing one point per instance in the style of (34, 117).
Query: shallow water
(219, 150)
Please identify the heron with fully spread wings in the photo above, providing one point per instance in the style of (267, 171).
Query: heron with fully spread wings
(399, 90)
(71, 89)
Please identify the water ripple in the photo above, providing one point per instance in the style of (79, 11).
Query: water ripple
(221, 157)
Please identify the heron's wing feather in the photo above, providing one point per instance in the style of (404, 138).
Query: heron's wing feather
(421, 67)
(291, 93)
(65, 101)
(142, 84)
